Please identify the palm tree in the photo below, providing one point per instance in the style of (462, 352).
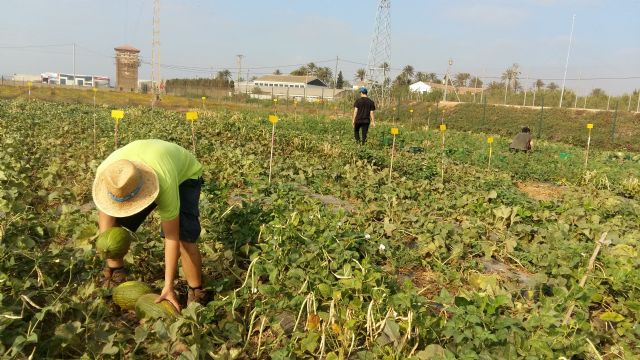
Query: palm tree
(511, 76)
(325, 74)
(360, 74)
(461, 79)
(433, 77)
(408, 73)
(475, 82)
(312, 68)
(538, 84)
(224, 75)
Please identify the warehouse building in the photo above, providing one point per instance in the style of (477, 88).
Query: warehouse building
(295, 87)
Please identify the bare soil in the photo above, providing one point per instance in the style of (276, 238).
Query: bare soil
(541, 191)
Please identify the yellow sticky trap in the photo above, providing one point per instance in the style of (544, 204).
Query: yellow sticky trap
(29, 83)
(273, 119)
(589, 126)
(275, 100)
(192, 115)
(443, 127)
(94, 89)
(204, 98)
(394, 131)
(410, 110)
(117, 114)
(490, 140)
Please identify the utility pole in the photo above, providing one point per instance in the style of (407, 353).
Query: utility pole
(335, 80)
(155, 54)
(239, 56)
(446, 79)
(246, 87)
(566, 65)
(506, 89)
(74, 64)
(638, 106)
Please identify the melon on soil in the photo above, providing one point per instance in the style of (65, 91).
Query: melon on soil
(114, 243)
(127, 293)
(146, 307)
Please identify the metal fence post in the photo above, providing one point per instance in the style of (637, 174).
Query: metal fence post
(484, 112)
(613, 125)
(541, 116)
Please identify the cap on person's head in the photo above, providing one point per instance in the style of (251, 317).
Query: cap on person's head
(363, 90)
(525, 129)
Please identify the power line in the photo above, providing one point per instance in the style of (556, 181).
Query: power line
(33, 46)
(201, 69)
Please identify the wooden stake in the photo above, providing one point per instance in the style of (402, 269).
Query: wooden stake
(117, 115)
(583, 281)
(191, 117)
(115, 134)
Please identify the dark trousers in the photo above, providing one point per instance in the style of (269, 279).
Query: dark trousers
(189, 191)
(356, 132)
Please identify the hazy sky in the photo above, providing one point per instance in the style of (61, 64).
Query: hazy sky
(482, 36)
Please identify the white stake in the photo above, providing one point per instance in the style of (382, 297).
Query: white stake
(586, 156)
(443, 129)
(490, 142)
(394, 132)
(273, 119)
(566, 65)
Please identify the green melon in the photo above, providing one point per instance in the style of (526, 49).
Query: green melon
(127, 293)
(114, 243)
(146, 307)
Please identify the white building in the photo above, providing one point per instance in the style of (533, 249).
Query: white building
(77, 80)
(287, 87)
(420, 87)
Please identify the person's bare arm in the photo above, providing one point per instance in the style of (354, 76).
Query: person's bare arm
(353, 118)
(171, 230)
(373, 121)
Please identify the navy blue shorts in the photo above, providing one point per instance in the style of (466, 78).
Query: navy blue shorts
(189, 212)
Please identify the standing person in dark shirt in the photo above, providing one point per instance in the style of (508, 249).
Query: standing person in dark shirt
(363, 109)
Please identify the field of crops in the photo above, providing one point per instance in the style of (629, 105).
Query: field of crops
(334, 258)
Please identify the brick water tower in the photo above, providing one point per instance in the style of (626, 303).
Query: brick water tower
(127, 63)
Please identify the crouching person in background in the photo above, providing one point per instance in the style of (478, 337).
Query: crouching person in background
(522, 141)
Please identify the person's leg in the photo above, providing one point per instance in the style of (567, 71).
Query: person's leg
(365, 130)
(189, 233)
(191, 263)
(356, 132)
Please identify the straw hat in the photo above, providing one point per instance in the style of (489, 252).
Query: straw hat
(124, 188)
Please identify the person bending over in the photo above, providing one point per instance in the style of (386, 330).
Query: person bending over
(153, 174)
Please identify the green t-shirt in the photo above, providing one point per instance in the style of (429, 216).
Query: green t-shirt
(172, 163)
